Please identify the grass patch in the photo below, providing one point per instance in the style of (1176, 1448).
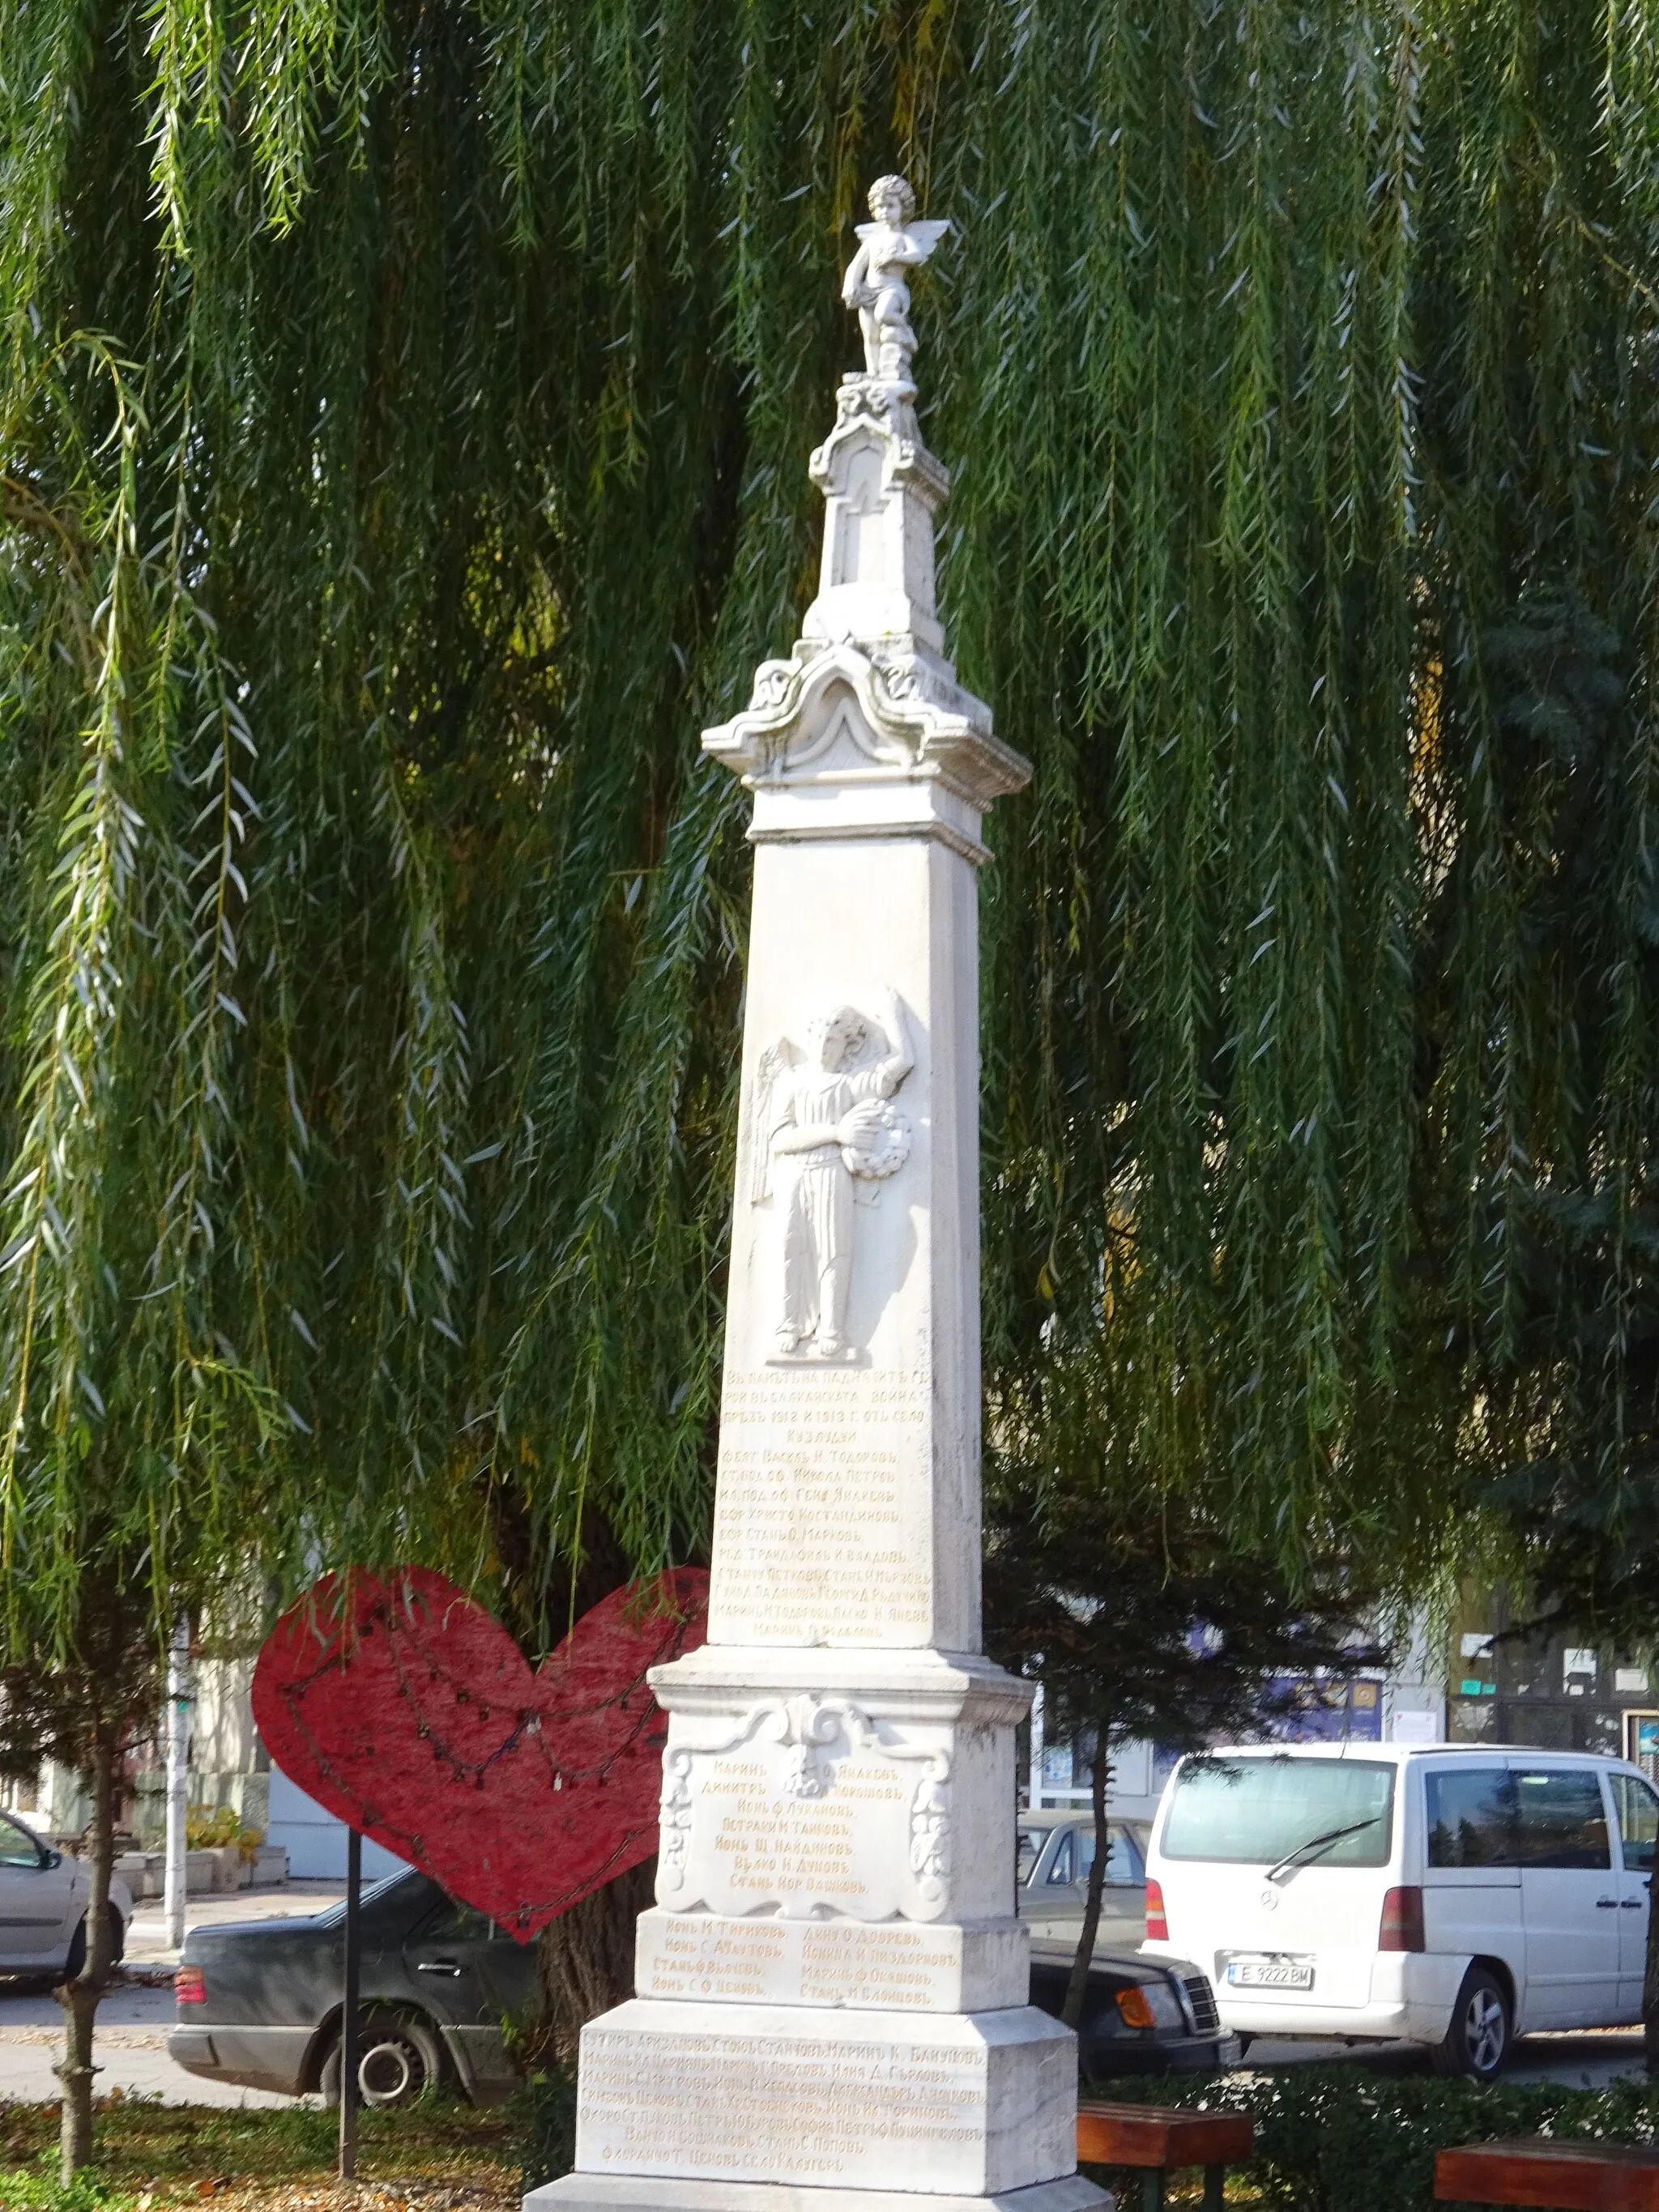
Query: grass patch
(153, 2157)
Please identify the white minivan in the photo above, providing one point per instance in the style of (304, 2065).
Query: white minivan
(1453, 1897)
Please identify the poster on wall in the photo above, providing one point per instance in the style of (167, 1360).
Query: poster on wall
(1642, 1742)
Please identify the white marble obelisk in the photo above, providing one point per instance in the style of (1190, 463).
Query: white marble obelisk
(832, 1983)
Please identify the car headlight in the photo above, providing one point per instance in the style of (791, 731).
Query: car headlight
(1152, 2004)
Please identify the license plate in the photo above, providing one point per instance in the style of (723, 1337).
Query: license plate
(1269, 1974)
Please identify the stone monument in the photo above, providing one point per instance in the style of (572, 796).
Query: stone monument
(832, 1983)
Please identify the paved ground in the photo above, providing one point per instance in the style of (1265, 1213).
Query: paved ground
(133, 2021)
(1587, 2059)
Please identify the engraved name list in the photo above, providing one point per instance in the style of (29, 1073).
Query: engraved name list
(821, 1533)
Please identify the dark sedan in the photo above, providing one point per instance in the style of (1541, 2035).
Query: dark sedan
(260, 2004)
(1139, 2015)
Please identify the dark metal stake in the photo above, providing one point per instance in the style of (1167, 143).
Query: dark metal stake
(354, 1943)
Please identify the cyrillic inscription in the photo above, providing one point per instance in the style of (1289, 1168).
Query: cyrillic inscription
(773, 2107)
(821, 1529)
(894, 1966)
(808, 1803)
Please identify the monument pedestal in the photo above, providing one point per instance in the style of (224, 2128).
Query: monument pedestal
(831, 2008)
(960, 2104)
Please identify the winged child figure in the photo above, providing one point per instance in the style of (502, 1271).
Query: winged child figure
(829, 1113)
(877, 279)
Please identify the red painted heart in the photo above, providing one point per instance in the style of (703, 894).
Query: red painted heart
(403, 1708)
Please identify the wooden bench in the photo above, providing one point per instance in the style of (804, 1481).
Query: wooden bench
(1156, 2137)
(1564, 2177)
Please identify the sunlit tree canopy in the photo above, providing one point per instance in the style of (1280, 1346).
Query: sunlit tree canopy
(403, 421)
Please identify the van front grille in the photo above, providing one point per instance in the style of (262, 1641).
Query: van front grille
(1201, 1999)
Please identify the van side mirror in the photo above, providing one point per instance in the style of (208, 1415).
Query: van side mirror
(52, 1858)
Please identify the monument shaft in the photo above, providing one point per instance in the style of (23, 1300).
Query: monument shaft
(832, 1983)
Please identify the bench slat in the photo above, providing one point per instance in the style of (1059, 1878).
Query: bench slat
(1158, 2134)
(1562, 2177)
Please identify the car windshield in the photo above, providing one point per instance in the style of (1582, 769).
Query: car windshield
(1258, 1812)
(1026, 1852)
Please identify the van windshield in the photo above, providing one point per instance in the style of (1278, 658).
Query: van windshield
(1259, 1812)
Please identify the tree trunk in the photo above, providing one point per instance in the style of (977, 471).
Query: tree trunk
(1099, 1775)
(79, 1997)
(585, 1962)
(1651, 1975)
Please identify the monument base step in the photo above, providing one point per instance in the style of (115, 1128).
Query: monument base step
(623, 2192)
(948, 2105)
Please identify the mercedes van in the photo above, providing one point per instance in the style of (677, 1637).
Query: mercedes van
(1453, 1897)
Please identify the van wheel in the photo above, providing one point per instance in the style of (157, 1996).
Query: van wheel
(1478, 2040)
(396, 2059)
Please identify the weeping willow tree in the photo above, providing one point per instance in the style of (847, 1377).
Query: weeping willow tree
(403, 434)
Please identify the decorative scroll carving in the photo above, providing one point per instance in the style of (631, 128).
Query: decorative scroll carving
(930, 1833)
(674, 1843)
(829, 1110)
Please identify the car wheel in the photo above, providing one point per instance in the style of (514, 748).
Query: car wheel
(75, 1957)
(396, 2059)
(1478, 2040)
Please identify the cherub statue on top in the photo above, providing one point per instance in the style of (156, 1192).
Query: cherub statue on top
(875, 282)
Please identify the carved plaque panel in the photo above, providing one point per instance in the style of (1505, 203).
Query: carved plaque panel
(805, 1804)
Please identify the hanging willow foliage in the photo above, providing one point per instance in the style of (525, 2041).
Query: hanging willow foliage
(405, 411)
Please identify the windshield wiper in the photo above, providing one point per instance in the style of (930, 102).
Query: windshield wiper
(1320, 1843)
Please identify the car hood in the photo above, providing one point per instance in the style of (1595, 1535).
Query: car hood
(1125, 1966)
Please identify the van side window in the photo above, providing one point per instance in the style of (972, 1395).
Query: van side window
(1563, 1823)
(1638, 1820)
(1472, 1817)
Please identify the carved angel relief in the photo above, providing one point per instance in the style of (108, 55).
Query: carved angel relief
(828, 1111)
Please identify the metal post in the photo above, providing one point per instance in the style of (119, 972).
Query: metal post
(1034, 1790)
(348, 2011)
(178, 1802)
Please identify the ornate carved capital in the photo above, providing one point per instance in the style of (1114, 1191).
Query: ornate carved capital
(907, 717)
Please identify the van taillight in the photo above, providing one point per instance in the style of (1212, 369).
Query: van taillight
(1158, 1921)
(190, 1985)
(1402, 1921)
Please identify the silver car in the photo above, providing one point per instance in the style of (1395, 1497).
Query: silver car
(1056, 1852)
(43, 1905)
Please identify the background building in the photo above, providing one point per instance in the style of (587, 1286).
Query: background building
(1406, 1703)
